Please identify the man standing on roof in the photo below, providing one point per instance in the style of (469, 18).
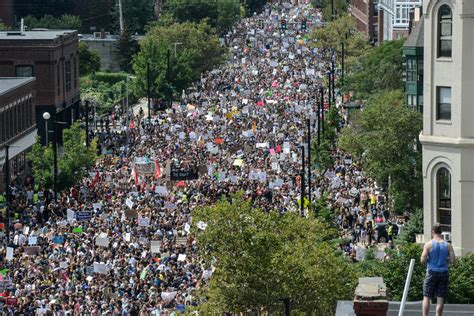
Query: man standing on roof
(436, 254)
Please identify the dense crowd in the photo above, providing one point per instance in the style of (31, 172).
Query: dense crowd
(119, 242)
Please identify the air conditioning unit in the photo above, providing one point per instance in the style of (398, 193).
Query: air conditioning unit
(96, 34)
(446, 236)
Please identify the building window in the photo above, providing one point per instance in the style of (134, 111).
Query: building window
(411, 73)
(445, 31)
(68, 75)
(443, 188)
(443, 100)
(24, 71)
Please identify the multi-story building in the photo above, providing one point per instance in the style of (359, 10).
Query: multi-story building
(448, 112)
(385, 20)
(17, 123)
(365, 13)
(401, 18)
(413, 66)
(53, 58)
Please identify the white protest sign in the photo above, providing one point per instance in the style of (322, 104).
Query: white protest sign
(32, 240)
(71, 215)
(155, 246)
(181, 257)
(63, 264)
(161, 190)
(102, 241)
(9, 253)
(129, 203)
(127, 237)
(101, 268)
(143, 221)
(201, 225)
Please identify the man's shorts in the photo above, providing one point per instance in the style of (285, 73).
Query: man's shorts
(436, 284)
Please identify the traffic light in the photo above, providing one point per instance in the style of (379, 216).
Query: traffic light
(261, 23)
(303, 24)
(283, 24)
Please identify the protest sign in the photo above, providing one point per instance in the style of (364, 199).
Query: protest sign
(101, 268)
(32, 240)
(143, 221)
(184, 174)
(83, 216)
(155, 246)
(9, 253)
(102, 241)
(32, 250)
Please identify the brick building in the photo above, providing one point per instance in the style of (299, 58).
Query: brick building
(365, 13)
(17, 122)
(52, 56)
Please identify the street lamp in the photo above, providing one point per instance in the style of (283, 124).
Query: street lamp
(46, 117)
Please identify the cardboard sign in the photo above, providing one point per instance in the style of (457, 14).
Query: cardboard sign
(32, 250)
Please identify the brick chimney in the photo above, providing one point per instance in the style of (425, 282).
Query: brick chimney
(371, 297)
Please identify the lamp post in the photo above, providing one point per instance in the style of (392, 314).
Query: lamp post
(308, 141)
(320, 109)
(55, 153)
(46, 117)
(328, 73)
(303, 194)
(148, 94)
(7, 193)
(342, 64)
(87, 122)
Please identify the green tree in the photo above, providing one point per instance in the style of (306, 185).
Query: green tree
(66, 21)
(335, 33)
(379, 69)
(40, 8)
(127, 47)
(413, 227)
(136, 15)
(384, 135)
(89, 61)
(262, 257)
(3, 27)
(221, 14)
(199, 51)
(73, 161)
(461, 281)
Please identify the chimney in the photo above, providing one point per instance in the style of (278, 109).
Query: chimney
(371, 297)
(22, 26)
(102, 33)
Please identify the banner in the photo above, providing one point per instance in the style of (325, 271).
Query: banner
(83, 216)
(184, 174)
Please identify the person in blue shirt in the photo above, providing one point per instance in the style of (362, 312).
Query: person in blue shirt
(436, 254)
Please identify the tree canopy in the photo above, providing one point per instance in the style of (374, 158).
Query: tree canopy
(89, 61)
(221, 14)
(379, 69)
(136, 15)
(65, 21)
(384, 135)
(199, 50)
(73, 161)
(262, 257)
(338, 31)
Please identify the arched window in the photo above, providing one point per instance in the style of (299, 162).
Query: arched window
(443, 190)
(445, 31)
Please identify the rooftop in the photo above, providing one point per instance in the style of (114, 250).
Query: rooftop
(415, 39)
(34, 35)
(10, 83)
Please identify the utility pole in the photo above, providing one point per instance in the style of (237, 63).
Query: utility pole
(308, 141)
(322, 111)
(286, 302)
(168, 78)
(7, 193)
(87, 123)
(333, 74)
(148, 90)
(329, 87)
(303, 194)
(120, 16)
(342, 66)
(332, 10)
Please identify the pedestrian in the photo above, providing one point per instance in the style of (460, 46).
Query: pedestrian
(436, 254)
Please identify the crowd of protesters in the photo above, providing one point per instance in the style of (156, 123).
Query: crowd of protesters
(120, 242)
